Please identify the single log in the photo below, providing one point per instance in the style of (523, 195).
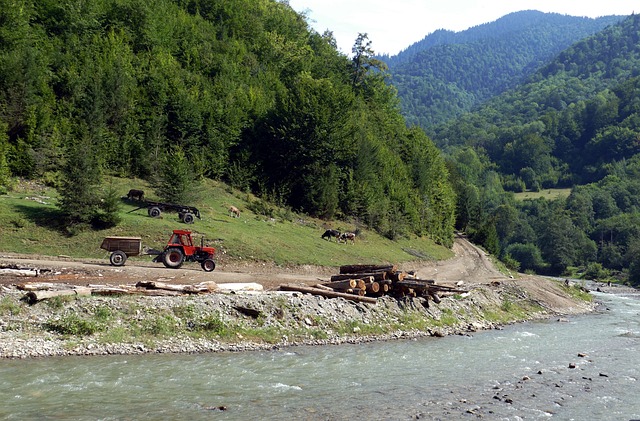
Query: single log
(249, 311)
(240, 286)
(109, 290)
(349, 284)
(188, 289)
(341, 284)
(321, 286)
(19, 272)
(34, 286)
(33, 297)
(373, 287)
(434, 297)
(157, 292)
(378, 276)
(396, 276)
(329, 294)
(366, 268)
(415, 284)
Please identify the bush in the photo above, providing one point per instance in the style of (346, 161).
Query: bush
(528, 255)
(72, 325)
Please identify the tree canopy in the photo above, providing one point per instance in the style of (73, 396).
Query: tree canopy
(241, 90)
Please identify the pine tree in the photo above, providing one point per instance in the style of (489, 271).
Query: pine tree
(176, 182)
(79, 185)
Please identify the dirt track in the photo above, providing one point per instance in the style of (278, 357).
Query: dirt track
(471, 266)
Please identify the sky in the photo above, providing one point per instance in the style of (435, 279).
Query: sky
(393, 25)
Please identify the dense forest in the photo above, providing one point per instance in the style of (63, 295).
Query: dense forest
(574, 124)
(243, 91)
(449, 73)
(235, 90)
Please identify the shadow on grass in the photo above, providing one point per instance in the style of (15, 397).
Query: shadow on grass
(49, 218)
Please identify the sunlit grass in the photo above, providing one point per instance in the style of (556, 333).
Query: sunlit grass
(549, 194)
(285, 238)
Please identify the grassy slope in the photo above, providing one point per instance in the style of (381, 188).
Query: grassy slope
(287, 238)
(549, 194)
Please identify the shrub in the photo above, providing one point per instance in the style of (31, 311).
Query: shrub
(72, 325)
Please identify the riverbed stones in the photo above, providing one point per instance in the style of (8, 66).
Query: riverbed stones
(299, 318)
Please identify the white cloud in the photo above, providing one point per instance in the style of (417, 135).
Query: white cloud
(394, 25)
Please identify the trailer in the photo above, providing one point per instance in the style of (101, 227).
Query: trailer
(186, 214)
(121, 248)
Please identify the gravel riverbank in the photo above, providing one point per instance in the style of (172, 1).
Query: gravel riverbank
(245, 322)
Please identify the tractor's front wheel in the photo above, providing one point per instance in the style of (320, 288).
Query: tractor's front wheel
(208, 265)
(173, 258)
(118, 258)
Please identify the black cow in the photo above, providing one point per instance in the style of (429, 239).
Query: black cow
(331, 233)
(135, 194)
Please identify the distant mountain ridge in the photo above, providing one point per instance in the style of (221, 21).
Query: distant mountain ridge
(448, 73)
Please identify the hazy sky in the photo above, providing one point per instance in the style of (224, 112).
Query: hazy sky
(393, 25)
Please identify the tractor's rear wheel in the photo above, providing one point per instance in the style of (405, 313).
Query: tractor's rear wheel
(118, 258)
(208, 265)
(173, 258)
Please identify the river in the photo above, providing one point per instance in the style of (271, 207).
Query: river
(520, 372)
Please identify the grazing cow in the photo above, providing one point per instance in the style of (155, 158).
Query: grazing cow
(328, 234)
(135, 194)
(234, 212)
(348, 236)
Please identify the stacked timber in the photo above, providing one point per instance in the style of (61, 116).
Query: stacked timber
(373, 281)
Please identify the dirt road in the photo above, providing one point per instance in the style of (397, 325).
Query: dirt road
(470, 266)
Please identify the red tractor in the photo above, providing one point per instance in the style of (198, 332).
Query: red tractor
(180, 248)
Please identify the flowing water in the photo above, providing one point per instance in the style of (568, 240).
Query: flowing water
(520, 372)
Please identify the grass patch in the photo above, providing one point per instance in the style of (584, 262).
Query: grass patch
(281, 235)
(9, 307)
(57, 303)
(73, 325)
(549, 194)
(577, 291)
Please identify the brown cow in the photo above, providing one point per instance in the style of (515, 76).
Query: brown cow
(234, 212)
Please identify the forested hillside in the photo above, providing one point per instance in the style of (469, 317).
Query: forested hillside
(575, 123)
(237, 90)
(448, 73)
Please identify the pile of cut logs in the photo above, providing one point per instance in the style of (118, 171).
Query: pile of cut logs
(367, 282)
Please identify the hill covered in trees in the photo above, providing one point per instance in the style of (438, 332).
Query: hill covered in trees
(574, 123)
(237, 90)
(449, 73)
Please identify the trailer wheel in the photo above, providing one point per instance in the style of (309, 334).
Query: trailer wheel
(208, 265)
(188, 218)
(173, 258)
(118, 258)
(154, 212)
